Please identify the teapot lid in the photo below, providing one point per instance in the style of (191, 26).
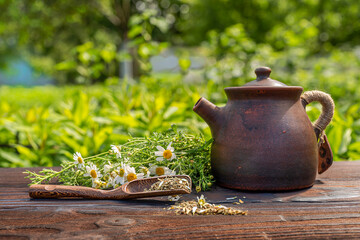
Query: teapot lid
(263, 79)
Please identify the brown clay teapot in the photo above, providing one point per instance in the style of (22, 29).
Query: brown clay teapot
(263, 138)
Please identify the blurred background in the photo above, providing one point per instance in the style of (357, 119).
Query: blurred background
(81, 75)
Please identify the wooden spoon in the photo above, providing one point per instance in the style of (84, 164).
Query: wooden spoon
(133, 189)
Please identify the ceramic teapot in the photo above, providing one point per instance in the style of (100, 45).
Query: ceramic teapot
(263, 138)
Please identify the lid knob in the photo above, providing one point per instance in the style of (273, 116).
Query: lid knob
(262, 72)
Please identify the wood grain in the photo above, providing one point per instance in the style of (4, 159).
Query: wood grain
(328, 210)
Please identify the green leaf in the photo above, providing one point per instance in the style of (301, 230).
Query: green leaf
(101, 137)
(145, 50)
(13, 159)
(128, 120)
(335, 137)
(346, 139)
(134, 31)
(70, 142)
(66, 65)
(27, 153)
(354, 155)
(354, 146)
(184, 64)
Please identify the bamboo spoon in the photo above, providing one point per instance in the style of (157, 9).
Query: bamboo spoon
(133, 189)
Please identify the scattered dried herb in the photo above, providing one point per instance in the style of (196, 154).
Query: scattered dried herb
(201, 207)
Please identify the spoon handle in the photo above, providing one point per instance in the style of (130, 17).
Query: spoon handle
(61, 191)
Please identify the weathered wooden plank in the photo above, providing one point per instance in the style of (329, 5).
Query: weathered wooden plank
(330, 209)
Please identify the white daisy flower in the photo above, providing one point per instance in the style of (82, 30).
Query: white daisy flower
(97, 183)
(201, 201)
(145, 171)
(167, 153)
(160, 170)
(110, 182)
(116, 150)
(92, 171)
(120, 174)
(132, 175)
(108, 167)
(79, 160)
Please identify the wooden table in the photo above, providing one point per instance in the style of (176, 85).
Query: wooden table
(328, 210)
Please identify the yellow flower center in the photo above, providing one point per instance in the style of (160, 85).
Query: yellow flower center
(131, 176)
(80, 160)
(167, 154)
(201, 202)
(93, 173)
(121, 172)
(159, 171)
(98, 184)
(118, 148)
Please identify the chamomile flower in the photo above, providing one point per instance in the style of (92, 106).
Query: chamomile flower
(109, 182)
(79, 160)
(92, 171)
(120, 174)
(132, 175)
(116, 150)
(167, 153)
(201, 201)
(108, 167)
(97, 183)
(160, 170)
(145, 171)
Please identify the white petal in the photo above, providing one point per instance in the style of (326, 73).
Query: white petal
(173, 156)
(152, 169)
(160, 148)
(122, 181)
(118, 180)
(140, 175)
(159, 159)
(159, 153)
(129, 169)
(169, 146)
(194, 210)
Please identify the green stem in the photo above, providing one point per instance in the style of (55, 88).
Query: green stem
(100, 154)
(51, 176)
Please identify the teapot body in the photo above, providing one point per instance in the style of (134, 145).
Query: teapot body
(265, 141)
(263, 138)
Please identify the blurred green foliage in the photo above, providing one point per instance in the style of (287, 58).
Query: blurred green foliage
(88, 119)
(309, 43)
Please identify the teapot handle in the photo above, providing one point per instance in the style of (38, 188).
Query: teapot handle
(325, 158)
(327, 112)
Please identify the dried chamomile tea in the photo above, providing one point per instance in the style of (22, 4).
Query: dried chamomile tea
(201, 207)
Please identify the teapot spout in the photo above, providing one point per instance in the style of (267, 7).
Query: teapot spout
(210, 113)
